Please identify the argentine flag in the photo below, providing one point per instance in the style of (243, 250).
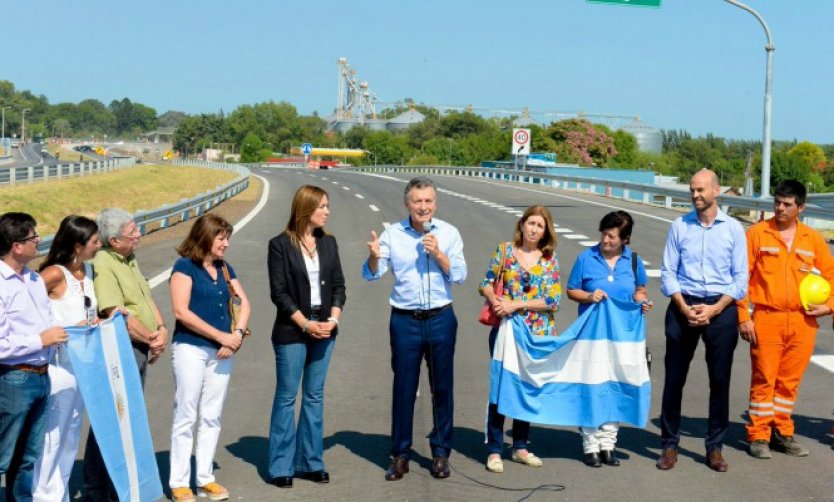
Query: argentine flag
(594, 372)
(108, 378)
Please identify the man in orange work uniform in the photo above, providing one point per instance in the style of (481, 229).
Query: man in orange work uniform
(781, 252)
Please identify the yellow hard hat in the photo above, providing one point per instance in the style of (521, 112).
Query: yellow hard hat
(813, 290)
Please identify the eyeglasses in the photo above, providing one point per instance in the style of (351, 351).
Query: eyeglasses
(132, 236)
(525, 281)
(33, 238)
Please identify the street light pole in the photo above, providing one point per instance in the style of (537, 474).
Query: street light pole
(3, 134)
(769, 48)
(23, 126)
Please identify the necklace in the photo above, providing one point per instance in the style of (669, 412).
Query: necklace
(310, 252)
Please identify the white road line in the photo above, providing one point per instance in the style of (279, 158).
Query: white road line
(386, 224)
(588, 243)
(653, 272)
(335, 182)
(508, 210)
(165, 274)
(576, 237)
(563, 230)
(345, 188)
(374, 208)
(359, 196)
(824, 361)
(646, 262)
(323, 178)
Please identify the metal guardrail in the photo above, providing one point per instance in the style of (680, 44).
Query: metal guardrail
(186, 208)
(16, 175)
(648, 194)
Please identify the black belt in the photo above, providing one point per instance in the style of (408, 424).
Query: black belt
(315, 313)
(699, 300)
(421, 314)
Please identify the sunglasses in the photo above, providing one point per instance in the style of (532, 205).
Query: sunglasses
(525, 281)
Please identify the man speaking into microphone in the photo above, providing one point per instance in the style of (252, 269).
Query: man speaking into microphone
(425, 255)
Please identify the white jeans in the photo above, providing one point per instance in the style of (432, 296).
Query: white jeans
(599, 438)
(63, 433)
(200, 379)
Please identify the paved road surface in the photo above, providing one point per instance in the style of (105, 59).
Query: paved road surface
(359, 383)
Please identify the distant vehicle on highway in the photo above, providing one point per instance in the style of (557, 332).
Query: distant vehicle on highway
(15, 143)
(83, 148)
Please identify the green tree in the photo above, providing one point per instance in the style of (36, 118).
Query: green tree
(251, 150)
(627, 148)
(388, 148)
(785, 166)
(812, 153)
(581, 142)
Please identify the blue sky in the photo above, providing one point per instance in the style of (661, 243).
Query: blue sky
(697, 65)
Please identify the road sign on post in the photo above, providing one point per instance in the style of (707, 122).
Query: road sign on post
(521, 142)
(636, 3)
(306, 148)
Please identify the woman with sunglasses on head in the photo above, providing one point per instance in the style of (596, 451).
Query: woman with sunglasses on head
(607, 269)
(70, 286)
(531, 288)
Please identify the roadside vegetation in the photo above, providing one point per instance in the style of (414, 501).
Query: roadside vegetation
(270, 129)
(146, 186)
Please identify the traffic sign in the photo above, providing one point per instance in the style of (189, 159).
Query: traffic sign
(306, 148)
(521, 142)
(636, 3)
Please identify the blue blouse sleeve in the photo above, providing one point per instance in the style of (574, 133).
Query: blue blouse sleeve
(642, 277)
(184, 266)
(575, 279)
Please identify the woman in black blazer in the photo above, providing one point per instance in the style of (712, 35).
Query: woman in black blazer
(308, 288)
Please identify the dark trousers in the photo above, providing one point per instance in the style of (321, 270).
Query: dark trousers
(495, 420)
(412, 340)
(97, 484)
(23, 403)
(720, 337)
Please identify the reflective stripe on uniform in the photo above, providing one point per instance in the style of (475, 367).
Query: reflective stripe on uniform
(761, 413)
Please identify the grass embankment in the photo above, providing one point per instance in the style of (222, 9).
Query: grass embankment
(145, 186)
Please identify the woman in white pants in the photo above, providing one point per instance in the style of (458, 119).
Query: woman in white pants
(203, 345)
(609, 269)
(70, 288)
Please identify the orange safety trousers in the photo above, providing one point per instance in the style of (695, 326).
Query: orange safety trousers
(784, 345)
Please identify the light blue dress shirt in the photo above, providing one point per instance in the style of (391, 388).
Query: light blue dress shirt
(401, 247)
(705, 261)
(25, 312)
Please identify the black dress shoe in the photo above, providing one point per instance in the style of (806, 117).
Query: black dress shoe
(282, 481)
(397, 469)
(592, 460)
(440, 467)
(315, 476)
(609, 457)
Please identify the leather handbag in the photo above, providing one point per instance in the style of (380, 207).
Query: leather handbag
(487, 316)
(234, 302)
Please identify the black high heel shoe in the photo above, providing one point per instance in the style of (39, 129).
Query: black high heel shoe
(592, 460)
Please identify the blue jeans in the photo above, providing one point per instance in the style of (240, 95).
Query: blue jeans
(23, 400)
(300, 450)
(495, 420)
(412, 340)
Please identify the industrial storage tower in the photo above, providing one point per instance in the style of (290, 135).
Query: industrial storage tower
(356, 104)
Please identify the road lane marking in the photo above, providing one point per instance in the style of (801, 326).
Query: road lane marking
(359, 196)
(576, 237)
(653, 272)
(374, 208)
(386, 224)
(563, 230)
(824, 361)
(335, 182)
(345, 188)
(165, 274)
(588, 243)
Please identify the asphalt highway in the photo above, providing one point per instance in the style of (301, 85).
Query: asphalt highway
(358, 392)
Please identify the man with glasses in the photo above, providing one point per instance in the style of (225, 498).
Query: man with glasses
(27, 335)
(119, 283)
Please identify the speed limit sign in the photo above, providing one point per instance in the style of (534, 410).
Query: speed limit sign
(521, 142)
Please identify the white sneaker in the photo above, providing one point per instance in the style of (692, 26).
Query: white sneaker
(495, 464)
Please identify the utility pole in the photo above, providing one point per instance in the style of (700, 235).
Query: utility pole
(769, 48)
(23, 127)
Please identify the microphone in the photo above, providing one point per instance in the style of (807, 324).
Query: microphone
(426, 230)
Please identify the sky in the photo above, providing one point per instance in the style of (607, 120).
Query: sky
(697, 65)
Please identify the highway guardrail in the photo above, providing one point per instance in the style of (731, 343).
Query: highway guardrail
(30, 174)
(187, 208)
(668, 197)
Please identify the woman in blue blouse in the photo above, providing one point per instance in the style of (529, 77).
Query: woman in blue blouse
(599, 272)
(531, 289)
(203, 345)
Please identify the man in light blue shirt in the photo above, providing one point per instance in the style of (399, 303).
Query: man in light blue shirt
(28, 334)
(704, 271)
(425, 255)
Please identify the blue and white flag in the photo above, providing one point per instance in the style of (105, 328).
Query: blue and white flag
(594, 372)
(108, 378)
